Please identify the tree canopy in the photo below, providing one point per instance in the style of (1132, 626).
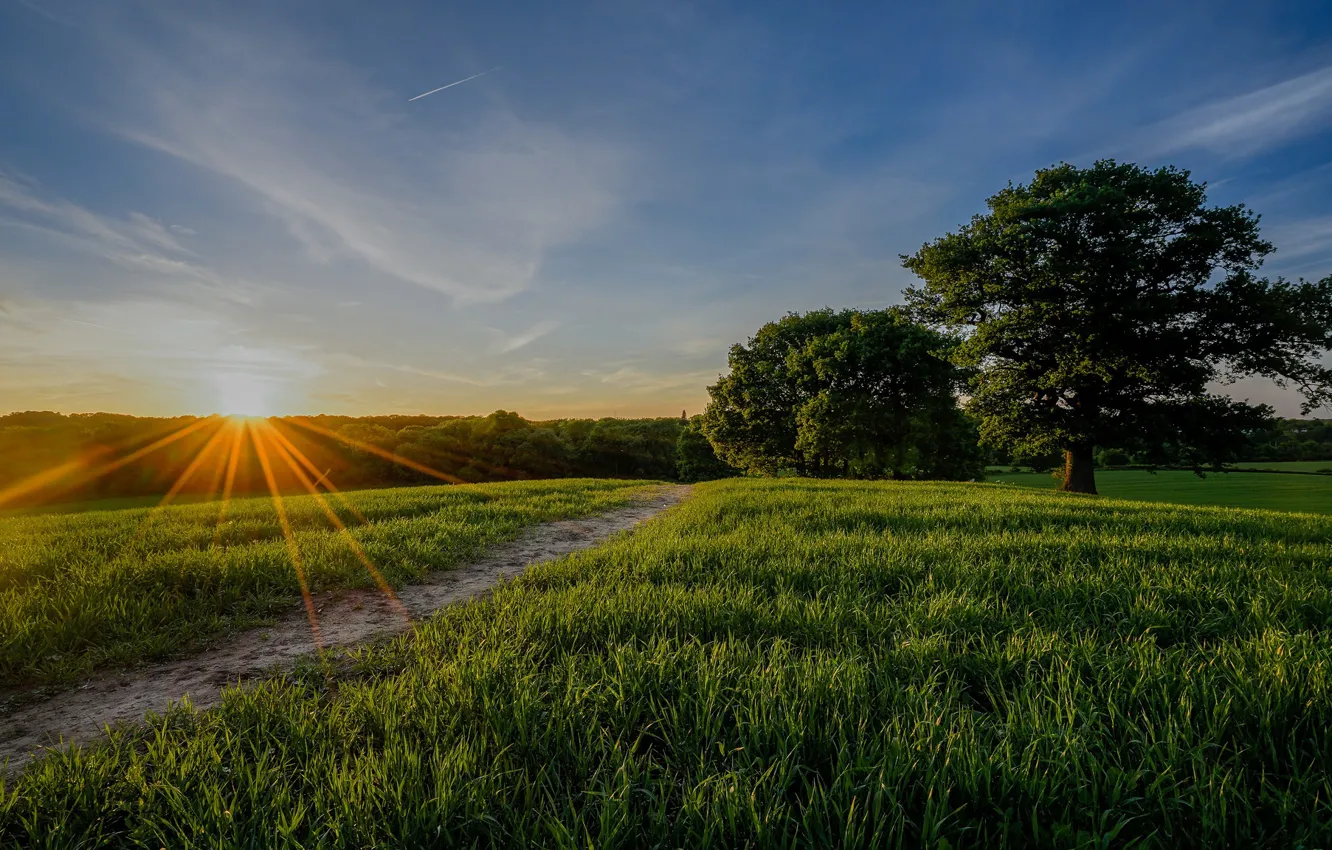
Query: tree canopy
(1099, 306)
(862, 394)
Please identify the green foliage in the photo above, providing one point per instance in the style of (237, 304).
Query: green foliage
(751, 420)
(1290, 440)
(79, 591)
(859, 394)
(695, 458)
(1101, 303)
(783, 664)
(1113, 457)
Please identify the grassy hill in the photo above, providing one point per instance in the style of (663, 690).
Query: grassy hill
(783, 663)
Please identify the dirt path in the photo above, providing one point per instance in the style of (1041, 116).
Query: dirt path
(345, 618)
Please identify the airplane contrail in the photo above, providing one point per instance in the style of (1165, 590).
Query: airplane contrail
(457, 83)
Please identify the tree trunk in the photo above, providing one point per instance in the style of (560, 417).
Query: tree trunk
(1079, 470)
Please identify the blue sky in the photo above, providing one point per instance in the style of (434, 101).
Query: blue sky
(213, 206)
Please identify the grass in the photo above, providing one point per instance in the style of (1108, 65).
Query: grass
(1301, 493)
(87, 590)
(111, 503)
(781, 664)
(1289, 465)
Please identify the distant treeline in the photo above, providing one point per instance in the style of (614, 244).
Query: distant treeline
(79, 456)
(1286, 440)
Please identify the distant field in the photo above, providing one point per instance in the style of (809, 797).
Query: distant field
(788, 663)
(83, 590)
(1288, 466)
(1303, 493)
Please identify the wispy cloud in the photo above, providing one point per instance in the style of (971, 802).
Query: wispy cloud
(1302, 244)
(138, 241)
(464, 205)
(510, 375)
(696, 346)
(505, 343)
(632, 379)
(45, 10)
(1248, 123)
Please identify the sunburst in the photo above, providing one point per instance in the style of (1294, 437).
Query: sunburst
(227, 437)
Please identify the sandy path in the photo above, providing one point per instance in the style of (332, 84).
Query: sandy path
(345, 618)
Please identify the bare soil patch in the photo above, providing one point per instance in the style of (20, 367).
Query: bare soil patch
(345, 618)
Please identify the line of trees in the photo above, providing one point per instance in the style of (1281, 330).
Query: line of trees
(1281, 440)
(350, 451)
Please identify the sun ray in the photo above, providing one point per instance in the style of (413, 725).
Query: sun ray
(240, 427)
(181, 480)
(293, 551)
(376, 450)
(193, 467)
(36, 482)
(276, 426)
(336, 521)
(215, 484)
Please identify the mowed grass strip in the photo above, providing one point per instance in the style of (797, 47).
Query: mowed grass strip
(783, 664)
(81, 591)
(1259, 490)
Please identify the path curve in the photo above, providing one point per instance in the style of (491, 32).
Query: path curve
(346, 618)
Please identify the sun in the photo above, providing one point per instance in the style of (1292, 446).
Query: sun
(243, 395)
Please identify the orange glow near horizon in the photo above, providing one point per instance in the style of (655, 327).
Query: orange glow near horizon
(224, 448)
(193, 467)
(80, 466)
(318, 477)
(375, 450)
(239, 427)
(289, 453)
(293, 551)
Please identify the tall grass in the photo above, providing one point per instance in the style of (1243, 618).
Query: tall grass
(782, 664)
(85, 590)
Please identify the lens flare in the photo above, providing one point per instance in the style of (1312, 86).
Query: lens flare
(286, 454)
(82, 469)
(293, 551)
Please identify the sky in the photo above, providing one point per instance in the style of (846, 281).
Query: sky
(244, 207)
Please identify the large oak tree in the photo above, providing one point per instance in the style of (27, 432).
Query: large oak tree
(1100, 304)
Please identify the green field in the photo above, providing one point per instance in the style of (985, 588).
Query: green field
(1289, 465)
(787, 663)
(1303, 493)
(81, 591)
(114, 503)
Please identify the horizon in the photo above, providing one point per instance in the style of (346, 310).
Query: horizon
(363, 212)
(249, 416)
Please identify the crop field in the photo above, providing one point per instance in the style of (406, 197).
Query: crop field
(1301, 493)
(782, 663)
(86, 590)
